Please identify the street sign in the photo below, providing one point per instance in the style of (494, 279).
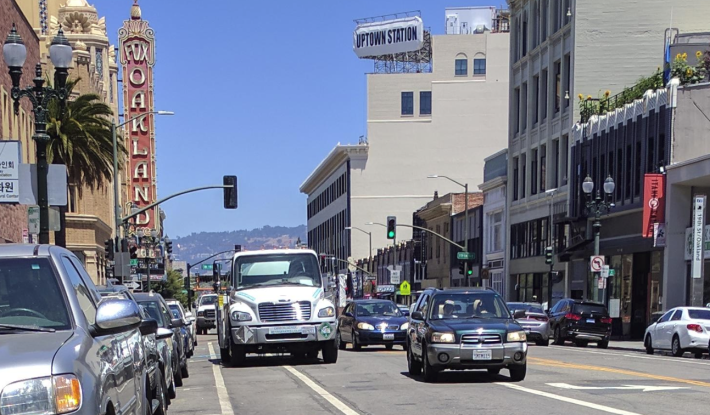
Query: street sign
(596, 263)
(385, 289)
(405, 288)
(605, 271)
(134, 262)
(25, 236)
(394, 277)
(33, 219)
(601, 283)
(133, 285)
(207, 267)
(612, 272)
(56, 184)
(465, 256)
(9, 171)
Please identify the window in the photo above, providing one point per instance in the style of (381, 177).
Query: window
(438, 242)
(533, 173)
(479, 66)
(568, 78)
(425, 103)
(666, 316)
(516, 113)
(558, 86)
(555, 163)
(495, 231)
(407, 103)
(524, 107)
(677, 315)
(515, 178)
(536, 98)
(523, 184)
(544, 93)
(82, 292)
(563, 158)
(461, 67)
(543, 167)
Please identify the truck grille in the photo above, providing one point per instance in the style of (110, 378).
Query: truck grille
(209, 313)
(285, 312)
(480, 339)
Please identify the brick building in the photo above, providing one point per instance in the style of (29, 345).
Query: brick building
(13, 218)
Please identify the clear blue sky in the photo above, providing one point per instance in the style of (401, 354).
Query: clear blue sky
(262, 90)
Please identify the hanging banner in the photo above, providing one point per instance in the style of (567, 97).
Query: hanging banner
(653, 202)
(696, 262)
(659, 235)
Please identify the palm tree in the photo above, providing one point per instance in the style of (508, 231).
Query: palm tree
(80, 138)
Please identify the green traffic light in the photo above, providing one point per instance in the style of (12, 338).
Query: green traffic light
(391, 234)
(470, 272)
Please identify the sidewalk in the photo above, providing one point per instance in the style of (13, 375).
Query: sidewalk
(634, 346)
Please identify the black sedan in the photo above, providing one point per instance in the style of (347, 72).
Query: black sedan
(372, 322)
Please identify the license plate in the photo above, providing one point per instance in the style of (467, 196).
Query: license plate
(388, 336)
(292, 330)
(482, 355)
(591, 321)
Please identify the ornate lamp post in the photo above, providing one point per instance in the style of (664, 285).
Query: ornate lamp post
(15, 54)
(598, 206)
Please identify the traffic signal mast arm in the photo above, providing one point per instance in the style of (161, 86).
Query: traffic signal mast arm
(425, 230)
(349, 263)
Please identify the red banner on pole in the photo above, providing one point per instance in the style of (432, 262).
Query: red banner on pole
(653, 202)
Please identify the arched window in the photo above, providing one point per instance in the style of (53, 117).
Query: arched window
(479, 64)
(461, 65)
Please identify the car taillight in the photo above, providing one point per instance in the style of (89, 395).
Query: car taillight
(575, 317)
(606, 320)
(695, 327)
(538, 318)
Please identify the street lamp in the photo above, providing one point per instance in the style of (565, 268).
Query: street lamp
(116, 205)
(349, 228)
(598, 206)
(466, 225)
(60, 53)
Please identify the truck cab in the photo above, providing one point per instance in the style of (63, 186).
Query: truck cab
(277, 304)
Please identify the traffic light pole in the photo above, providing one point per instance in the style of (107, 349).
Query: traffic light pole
(465, 234)
(165, 199)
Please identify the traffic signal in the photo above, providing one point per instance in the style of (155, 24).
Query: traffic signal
(548, 255)
(134, 252)
(391, 227)
(169, 247)
(237, 248)
(230, 192)
(461, 267)
(469, 272)
(110, 249)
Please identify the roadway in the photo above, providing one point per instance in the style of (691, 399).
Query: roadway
(560, 380)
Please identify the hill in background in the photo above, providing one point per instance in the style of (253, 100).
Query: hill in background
(196, 246)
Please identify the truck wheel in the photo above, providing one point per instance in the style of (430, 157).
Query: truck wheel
(330, 352)
(238, 355)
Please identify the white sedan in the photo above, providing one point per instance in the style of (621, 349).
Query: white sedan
(680, 330)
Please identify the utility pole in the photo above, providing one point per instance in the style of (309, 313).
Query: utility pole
(465, 234)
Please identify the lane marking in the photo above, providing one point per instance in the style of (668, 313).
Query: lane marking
(338, 404)
(649, 357)
(222, 394)
(641, 388)
(560, 364)
(591, 405)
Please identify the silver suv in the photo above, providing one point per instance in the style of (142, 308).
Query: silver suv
(62, 349)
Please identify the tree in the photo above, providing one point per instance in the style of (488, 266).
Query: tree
(80, 137)
(171, 288)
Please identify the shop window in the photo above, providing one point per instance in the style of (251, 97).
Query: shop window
(407, 103)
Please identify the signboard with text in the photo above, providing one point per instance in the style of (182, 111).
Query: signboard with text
(388, 37)
(654, 203)
(137, 55)
(698, 218)
(9, 171)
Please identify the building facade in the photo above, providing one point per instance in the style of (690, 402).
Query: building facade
(561, 49)
(418, 124)
(495, 220)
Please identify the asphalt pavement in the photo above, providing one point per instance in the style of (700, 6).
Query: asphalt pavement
(560, 380)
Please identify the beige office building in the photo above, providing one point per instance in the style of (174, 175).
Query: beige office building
(445, 121)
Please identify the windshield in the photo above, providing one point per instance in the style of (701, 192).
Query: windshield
(378, 309)
(30, 294)
(208, 300)
(153, 310)
(277, 269)
(175, 310)
(696, 314)
(468, 305)
(529, 308)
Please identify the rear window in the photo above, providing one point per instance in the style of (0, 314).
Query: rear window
(699, 314)
(530, 308)
(590, 309)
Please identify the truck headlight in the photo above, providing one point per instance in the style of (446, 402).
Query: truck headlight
(442, 337)
(326, 312)
(404, 326)
(241, 316)
(365, 326)
(200, 313)
(58, 394)
(517, 336)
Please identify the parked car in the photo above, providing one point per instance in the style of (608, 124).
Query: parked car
(581, 322)
(404, 309)
(193, 327)
(680, 330)
(186, 330)
(158, 309)
(464, 329)
(206, 312)
(372, 322)
(534, 321)
(58, 339)
(155, 360)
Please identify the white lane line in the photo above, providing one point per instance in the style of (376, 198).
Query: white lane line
(586, 404)
(649, 357)
(221, 389)
(338, 404)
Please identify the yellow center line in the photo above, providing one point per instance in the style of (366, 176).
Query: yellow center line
(557, 363)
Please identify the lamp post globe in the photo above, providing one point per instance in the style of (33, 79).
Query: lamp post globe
(609, 185)
(588, 185)
(14, 51)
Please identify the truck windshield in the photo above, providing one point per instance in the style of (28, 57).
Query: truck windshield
(277, 269)
(30, 295)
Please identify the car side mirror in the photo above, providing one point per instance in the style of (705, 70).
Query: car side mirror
(417, 315)
(177, 323)
(116, 316)
(519, 314)
(194, 305)
(163, 333)
(148, 326)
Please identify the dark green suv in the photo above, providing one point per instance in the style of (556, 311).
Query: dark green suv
(464, 329)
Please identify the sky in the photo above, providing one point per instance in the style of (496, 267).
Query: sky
(260, 89)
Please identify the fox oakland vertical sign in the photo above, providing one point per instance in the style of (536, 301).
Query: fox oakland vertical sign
(137, 54)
